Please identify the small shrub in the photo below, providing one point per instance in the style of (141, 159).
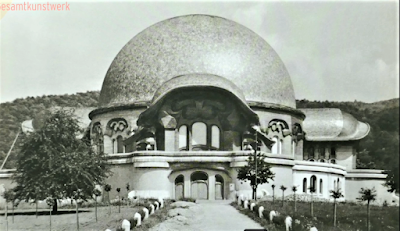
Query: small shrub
(188, 199)
(141, 212)
(256, 207)
(385, 204)
(266, 214)
(279, 220)
(133, 222)
(120, 229)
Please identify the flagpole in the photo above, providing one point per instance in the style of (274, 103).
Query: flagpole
(255, 158)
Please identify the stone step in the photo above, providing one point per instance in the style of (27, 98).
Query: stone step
(213, 201)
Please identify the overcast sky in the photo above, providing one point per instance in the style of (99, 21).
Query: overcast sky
(337, 51)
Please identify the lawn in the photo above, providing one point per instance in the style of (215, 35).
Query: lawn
(87, 221)
(350, 216)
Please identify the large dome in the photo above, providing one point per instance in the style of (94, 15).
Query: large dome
(197, 44)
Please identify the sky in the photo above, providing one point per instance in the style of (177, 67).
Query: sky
(335, 51)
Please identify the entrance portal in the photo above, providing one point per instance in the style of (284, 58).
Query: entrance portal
(179, 187)
(199, 187)
(219, 187)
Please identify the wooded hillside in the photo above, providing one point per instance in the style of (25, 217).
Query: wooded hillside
(380, 149)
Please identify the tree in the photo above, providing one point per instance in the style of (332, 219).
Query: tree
(107, 188)
(367, 195)
(127, 195)
(54, 163)
(335, 194)
(9, 196)
(283, 188)
(119, 200)
(50, 202)
(312, 191)
(248, 172)
(273, 193)
(96, 193)
(294, 189)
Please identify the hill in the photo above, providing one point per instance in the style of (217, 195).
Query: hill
(378, 150)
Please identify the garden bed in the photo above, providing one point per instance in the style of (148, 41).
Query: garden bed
(350, 216)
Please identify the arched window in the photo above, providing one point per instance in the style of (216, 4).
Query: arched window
(279, 146)
(311, 154)
(338, 183)
(321, 152)
(179, 179)
(219, 187)
(275, 146)
(293, 148)
(333, 153)
(320, 186)
(120, 145)
(179, 187)
(98, 138)
(199, 136)
(215, 137)
(313, 183)
(183, 134)
(304, 185)
(114, 146)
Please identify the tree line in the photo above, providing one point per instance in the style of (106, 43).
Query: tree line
(378, 150)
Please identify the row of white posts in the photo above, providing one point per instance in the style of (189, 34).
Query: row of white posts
(126, 225)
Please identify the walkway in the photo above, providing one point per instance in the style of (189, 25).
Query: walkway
(210, 216)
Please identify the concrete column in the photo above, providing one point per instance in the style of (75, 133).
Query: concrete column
(211, 186)
(169, 123)
(169, 139)
(187, 185)
(231, 141)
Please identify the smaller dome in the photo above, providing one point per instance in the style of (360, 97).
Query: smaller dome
(332, 124)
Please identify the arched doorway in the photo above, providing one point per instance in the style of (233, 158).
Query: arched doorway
(199, 185)
(219, 187)
(179, 187)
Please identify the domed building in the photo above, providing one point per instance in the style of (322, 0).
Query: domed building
(187, 100)
(184, 102)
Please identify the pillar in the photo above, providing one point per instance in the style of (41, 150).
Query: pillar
(169, 123)
(169, 140)
(187, 185)
(211, 186)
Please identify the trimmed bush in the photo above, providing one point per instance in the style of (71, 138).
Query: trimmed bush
(266, 214)
(142, 213)
(133, 222)
(188, 199)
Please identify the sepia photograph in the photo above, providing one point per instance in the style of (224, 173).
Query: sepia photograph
(199, 115)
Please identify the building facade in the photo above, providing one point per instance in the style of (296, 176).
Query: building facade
(184, 100)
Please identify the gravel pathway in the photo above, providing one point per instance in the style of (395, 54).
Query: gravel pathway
(206, 216)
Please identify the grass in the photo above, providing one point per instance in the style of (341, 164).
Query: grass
(87, 221)
(350, 216)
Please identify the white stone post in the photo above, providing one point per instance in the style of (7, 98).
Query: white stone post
(126, 225)
(252, 206)
(260, 211)
(138, 219)
(151, 209)
(146, 213)
(246, 204)
(161, 202)
(157, 205)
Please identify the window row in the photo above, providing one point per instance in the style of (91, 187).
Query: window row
(313, 187)
(321, 152)
(199, 136)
